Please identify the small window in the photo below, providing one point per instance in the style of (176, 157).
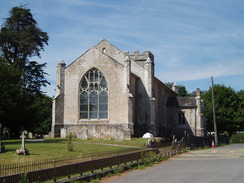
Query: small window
(181, 118)
(103, 50)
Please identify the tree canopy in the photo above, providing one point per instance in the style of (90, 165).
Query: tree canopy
(22, 78)
(20, 40)
(20, 37)
(229, 107)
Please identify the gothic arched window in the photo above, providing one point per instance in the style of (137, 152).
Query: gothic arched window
(93, 96)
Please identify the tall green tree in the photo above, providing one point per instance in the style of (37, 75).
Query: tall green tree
(9, 90)
(20, 40)
(42, 112)
(240, 111)
(226, 109)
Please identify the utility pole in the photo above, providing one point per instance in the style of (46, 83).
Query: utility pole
(214, 118)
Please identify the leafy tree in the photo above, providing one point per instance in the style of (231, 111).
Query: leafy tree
(9, 90)
(226, 109)
(239, 115)
(182, 89)
(42, 111)
(21, 77)
(34, 77)
(21, 39)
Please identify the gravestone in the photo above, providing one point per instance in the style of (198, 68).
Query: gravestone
(63, 133)
(30, 135)
(2, 148)
(23, 150)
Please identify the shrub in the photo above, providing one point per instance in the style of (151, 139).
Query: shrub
(118, 171)
(238, 138)
(165, 157)
(149, 158)
(109, 174)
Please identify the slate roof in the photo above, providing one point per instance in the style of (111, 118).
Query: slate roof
(181, 102)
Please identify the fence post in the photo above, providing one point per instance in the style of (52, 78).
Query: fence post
(54, 171)
(118, 159)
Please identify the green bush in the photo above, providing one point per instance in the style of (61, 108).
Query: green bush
(238, 138)
(165, 157)
(118, 171)
(149, 158)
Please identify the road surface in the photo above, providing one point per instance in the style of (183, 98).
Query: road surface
(222, 164)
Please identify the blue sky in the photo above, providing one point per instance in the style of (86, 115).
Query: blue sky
(191, 40)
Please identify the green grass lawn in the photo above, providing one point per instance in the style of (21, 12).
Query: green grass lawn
(137, 142)
(57, 148)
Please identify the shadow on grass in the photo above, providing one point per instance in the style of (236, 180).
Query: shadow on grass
(19, 141)
(10, 150)
(10, 142)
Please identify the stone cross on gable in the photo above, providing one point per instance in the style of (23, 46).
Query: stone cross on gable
(23, 139)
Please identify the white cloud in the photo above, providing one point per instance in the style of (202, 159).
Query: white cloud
(194, 72)
(190, 39)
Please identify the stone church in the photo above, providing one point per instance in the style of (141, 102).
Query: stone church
(107, 93)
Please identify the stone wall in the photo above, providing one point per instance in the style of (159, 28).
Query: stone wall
(96, 131)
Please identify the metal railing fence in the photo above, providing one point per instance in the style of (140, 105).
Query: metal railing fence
(56, 168)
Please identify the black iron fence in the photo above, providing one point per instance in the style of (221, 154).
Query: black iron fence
(201, 142)
(38, 171)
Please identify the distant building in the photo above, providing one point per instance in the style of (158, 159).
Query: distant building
(107, 93)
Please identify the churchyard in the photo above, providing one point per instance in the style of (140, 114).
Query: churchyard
(57, 148)
(51, 156)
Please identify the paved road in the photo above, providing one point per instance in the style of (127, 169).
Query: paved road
(222, 164)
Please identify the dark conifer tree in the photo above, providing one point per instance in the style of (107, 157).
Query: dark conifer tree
(20, 40)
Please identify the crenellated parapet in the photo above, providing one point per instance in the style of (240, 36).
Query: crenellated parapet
(137, 56)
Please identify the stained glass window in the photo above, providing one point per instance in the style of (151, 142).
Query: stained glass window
(93, 96)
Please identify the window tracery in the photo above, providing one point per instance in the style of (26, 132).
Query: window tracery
(93, 96)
